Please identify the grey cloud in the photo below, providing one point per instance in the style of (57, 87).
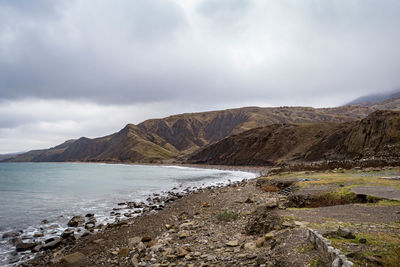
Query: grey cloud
(224, 12)
(129, 52)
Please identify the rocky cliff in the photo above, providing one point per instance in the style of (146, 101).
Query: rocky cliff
(378, 135)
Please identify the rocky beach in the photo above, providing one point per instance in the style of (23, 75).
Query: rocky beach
(273, 220)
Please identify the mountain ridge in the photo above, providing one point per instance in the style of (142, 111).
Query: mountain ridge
(174, 137)
(377, 135)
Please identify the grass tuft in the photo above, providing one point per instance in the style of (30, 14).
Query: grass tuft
(227, 216)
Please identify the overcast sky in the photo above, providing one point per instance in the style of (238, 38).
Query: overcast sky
(71, 68)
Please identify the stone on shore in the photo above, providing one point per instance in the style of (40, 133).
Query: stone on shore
(72, 258)
(76, 221)
(233, 243)
(89, 225)
(12, 234)
(52, 244)
(25, 246)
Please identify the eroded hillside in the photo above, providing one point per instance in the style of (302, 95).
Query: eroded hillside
(378, 135)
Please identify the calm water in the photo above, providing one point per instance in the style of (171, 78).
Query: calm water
(32, 192)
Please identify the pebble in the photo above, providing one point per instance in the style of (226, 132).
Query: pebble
(233, 243)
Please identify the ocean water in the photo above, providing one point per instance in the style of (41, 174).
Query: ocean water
(33, 192)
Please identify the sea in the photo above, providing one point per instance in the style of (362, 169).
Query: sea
(42, 197)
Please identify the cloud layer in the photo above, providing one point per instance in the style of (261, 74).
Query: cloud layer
(206, 54)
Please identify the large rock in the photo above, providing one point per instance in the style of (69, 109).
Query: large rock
(345, 233)
(90, 225)
(76, 221)
(12, 234)
(24, 246)
(271, 203)
(52, 244)
(68, 234)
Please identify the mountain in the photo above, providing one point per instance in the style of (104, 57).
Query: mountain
(389, 104)
(9, 155)
(372, 99)
(160, 140)
(377, 135)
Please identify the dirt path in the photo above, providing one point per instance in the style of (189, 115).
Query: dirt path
(354, 213)
(386, 192)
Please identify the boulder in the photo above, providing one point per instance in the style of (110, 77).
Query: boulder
(37, 248)
(36, 235)
(15, 241)
(271, 203)
(52, 244)
(90, 225)
(24, 246)
(76, 221)
(345, 233)
(12, 234)
(68, 234)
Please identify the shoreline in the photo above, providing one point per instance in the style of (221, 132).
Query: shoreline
(159, 217)
(194, 231)
(249, 168)
(148, 206)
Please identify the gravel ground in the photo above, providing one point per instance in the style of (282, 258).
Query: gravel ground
(188, 233)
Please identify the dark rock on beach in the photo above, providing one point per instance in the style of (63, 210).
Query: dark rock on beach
(25, 246)
(76, 221)
(12, 234)
(53, 244)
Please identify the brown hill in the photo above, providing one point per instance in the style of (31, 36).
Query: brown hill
(158, 140)
(378, 135)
